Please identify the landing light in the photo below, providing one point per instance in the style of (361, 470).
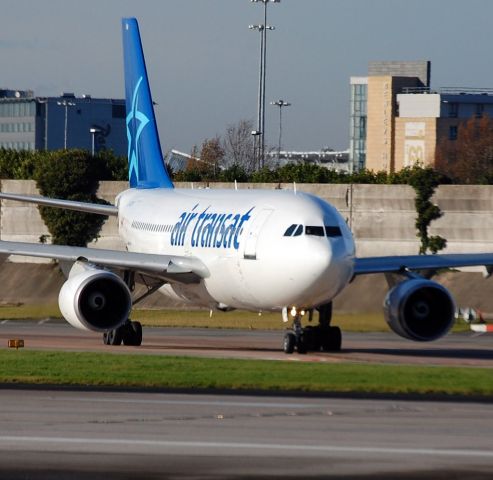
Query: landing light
(294, 312)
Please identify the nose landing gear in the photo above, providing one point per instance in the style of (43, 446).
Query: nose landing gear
(322, 337)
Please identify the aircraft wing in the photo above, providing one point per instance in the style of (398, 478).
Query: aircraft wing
(165, 267)
(401, 264)
(97, 208)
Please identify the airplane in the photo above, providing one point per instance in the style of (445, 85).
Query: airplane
(257, 250)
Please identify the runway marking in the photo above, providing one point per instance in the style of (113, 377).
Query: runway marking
(12, 440)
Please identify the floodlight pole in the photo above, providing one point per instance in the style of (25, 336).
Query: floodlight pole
(66, 104)
(262, 77)
(280, 104)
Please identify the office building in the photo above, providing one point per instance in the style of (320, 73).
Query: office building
(28, 122)
(398, 120)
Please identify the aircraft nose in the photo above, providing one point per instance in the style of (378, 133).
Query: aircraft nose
(314, 260)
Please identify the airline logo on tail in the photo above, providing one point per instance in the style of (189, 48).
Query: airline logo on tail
(146, 165)
(136, 122)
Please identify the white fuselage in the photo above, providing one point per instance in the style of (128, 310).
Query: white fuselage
(240, 236)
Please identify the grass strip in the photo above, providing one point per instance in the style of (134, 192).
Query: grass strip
(146, 371)
(358, 322)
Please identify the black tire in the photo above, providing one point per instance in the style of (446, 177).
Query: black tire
(332, 339)
(132, 333)
(312, 339)
(115, 336)
(137, 333)
(289, 342)
(301, 344)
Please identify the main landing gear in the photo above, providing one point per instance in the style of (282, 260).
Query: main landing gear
(130, 333)
(312, 338)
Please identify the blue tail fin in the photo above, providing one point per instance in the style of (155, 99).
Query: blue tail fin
(146, 167)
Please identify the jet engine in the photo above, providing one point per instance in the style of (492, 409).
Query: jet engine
(94, 299)
(419, 309)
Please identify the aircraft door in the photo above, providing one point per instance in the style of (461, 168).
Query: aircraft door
(250, 252)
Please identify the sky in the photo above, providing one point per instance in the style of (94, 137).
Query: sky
(202, 59)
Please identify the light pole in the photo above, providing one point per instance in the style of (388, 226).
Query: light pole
(45, 102)
(66, 104)
(93, 131)
(280, 103)
(258, 132)
(262, 76)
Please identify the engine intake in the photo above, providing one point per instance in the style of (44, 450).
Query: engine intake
(94, 299)
(419, 309)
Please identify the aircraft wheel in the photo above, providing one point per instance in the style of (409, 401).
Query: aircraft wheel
(115, 336)
(312, 338)
(289, 342)
(301, 344)
(137, 333)
(332, 339)
(132, 333)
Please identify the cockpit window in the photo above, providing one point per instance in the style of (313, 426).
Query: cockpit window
(290, 230)
(326, 231)
(331, 231)
(316, 231)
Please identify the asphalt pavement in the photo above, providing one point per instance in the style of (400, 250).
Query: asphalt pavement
(54, 434)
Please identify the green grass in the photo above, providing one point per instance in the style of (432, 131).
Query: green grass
(145, 371)
(23, 312)
(358, 322)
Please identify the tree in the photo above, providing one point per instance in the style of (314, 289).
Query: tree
(113, 167)
(71, 175)
(469, 159)
(238, 146)
(425, 181)
(212, 154)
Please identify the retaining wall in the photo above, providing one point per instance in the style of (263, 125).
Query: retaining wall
(382, 217)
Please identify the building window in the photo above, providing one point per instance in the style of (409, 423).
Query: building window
(479, 110)
(453, 110)
(118, 111)
(452, 132)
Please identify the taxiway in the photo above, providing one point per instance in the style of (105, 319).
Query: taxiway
(464, 349)
(75, 434)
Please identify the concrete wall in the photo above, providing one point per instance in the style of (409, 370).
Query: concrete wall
(382, 217)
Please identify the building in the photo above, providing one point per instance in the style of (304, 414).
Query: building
(374, 108)
(358, 119)
(28, 122)
(398, 120)
(426, 118)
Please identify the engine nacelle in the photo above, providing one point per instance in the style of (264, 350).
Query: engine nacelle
(94, 299)
(419, 309)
